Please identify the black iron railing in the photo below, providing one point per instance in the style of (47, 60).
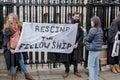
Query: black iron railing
(59, 11)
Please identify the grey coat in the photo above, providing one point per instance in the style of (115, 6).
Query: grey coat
(114, 28)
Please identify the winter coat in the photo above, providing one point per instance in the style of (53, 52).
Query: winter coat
(11, 59)
(1, 39)
(95, 39)
(114, 28)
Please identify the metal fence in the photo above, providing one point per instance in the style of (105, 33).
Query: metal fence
(59, 11)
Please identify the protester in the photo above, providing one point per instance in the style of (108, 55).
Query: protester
(94, 40)
(113, 61)
(76, 56)
(11, 33)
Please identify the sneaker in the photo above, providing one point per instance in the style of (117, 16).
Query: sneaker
(77, 74)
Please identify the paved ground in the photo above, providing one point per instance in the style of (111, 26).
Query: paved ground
(57, 74)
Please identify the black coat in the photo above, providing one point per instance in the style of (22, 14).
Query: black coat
(1, 39)
(77, 53)
(114, 28)
(11, 59)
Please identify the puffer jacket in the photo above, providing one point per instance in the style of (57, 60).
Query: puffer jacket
(95, 38)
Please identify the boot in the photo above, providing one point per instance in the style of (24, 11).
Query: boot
(29, 77)
(117, 68)
(13, 77)
(77, 74)
(66, 74)
(113, 69)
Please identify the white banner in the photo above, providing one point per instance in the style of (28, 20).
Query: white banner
(116, 45)
(47, 37)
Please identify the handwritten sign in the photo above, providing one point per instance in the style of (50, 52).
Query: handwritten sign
(47, 37)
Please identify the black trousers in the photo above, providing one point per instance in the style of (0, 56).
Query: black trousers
(67, 66)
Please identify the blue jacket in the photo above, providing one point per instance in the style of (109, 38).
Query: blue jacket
(95, 38)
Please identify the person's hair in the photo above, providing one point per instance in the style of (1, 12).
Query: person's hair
(96, 21)
(75, 13)
(118, 16)
(15, 20)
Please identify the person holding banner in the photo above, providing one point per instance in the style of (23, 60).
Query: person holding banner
(11, 33)
(76, 56)
(94, 41)
(114, 29)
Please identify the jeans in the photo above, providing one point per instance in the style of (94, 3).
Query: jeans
(22, 66)
(93, 64)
